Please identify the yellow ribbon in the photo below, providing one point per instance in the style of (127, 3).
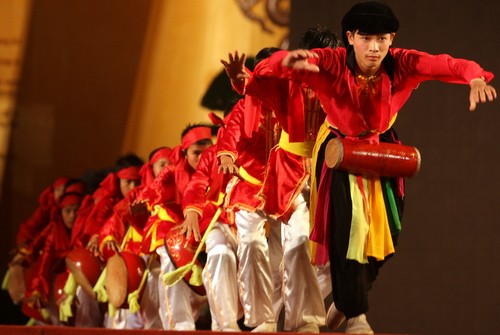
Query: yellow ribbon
(99, 289)
(133, 297)
(70, 290)
(5, 281)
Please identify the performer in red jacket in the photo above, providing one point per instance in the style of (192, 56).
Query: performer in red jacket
(286, 184)
(362, 88)
(40, 286)
(243, 149)
(163, 198)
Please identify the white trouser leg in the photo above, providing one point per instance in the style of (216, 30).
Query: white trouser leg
(303, 300)
(176, 311)
(254, 273)
(133, 320)
(87, 313)
(117, 321)
(324, 279)
(276, 261)
(220, 279)
(149, 299)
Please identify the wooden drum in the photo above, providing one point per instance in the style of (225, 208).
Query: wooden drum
(382, 159)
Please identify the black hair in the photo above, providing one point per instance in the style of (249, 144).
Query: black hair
(264, 53)
(128, 160)
(319, 37)
(93, 178)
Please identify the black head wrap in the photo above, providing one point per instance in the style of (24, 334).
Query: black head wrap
(369, 17)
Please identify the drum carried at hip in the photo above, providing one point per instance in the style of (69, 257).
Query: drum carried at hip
(380, 159)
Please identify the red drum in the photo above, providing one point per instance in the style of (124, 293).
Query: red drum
(27, 308)
(181, 252)
(57, 294)
(33, 313)
(85, 267)
(382, 159)
(124, 273)
(107, 253)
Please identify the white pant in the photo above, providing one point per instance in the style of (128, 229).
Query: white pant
(324, 279)
(254, 274)
(302, 295)
(123, 319)
(148, 316)
(220, 279)
(179, 305)
(87, 313)
(276, 261)
(150, 301)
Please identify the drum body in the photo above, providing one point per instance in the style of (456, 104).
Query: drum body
(381, 159)
(85, 268)
(28, 309)
(181, 252)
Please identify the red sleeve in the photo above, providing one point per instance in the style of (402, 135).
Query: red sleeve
(162, 190)
(35, 249)
(424, 66)
(78, 238)
(114, 228)
(39, 282)
(232, 132)
(101, 211)
(195, 193)
(283, 95)
(31, 227)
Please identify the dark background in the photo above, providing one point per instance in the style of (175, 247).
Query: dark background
(74, 95)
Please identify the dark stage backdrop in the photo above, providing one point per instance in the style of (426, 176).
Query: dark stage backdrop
(444, 278)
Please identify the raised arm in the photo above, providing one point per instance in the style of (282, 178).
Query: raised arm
(236, 71)
(298, 60)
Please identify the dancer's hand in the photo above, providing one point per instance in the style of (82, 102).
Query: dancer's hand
(480, 91)
(235, 67)
(227, 165)
(191, 225)
(298, 60)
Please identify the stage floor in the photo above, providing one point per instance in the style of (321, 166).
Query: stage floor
(59, 330)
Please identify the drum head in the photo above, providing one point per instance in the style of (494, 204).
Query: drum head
(116, 280)
(15, 284)
(333, 153)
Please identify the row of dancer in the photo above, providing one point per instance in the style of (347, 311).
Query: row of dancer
(127, 215)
